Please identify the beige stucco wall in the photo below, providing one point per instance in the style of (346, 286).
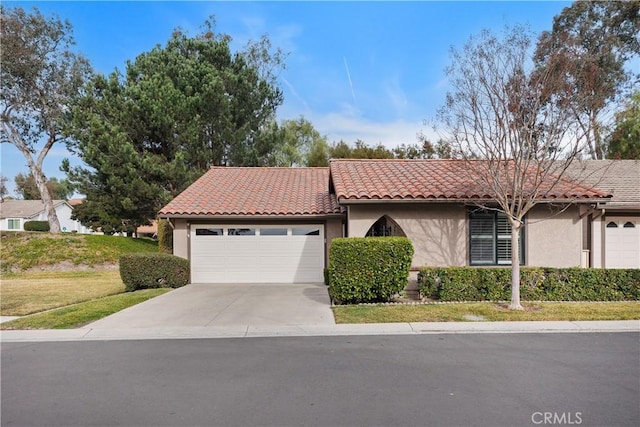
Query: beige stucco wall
(332, 229)
(553, 239)
(438, 231)
(181, 238)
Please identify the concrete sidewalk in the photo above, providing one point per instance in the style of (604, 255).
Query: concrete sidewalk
(249, 331)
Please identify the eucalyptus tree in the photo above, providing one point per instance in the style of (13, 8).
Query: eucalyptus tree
(41, 79)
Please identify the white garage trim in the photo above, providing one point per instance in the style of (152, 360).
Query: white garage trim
(248, 253)
(622, 242)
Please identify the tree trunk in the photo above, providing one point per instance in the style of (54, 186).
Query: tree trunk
(41, 182)
(515, 269)
(52, 217)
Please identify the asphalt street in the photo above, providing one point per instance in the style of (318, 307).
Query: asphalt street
(588, 379)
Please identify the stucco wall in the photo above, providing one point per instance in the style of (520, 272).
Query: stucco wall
(553, 239)
(438, 231)
(181, 238)
(332, 229)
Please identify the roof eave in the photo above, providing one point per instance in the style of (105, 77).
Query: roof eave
(250, 217)
(345, 201)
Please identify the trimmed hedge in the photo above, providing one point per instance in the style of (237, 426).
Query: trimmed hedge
(37, 226)
(536, 284)
(165, 236)
(368, 269)
(153, 270)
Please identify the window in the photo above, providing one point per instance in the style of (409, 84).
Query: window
(273, 231)
(305, 231)
(208, 231)
(629, 224)
(13, 224)
(612, 225)
(490, 239)
(242, 232)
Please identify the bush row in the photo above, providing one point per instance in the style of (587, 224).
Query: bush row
(153, 270)
(536, 284)
(368, 269)
(37, 226)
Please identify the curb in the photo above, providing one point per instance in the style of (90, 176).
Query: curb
(254, 331)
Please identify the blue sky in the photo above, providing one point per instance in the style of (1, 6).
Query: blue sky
(357, 70)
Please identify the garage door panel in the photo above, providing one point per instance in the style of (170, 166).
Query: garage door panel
(257, 258)
(622, 242)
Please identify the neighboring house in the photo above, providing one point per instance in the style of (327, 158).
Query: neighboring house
(276, 224)
(14, 213)
(611, 230)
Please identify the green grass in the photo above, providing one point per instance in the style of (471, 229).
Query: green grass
(78, 315)
(25, 250)
(487, 311)
(27, 293)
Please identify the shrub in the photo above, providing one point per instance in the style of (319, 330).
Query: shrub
(165, 236)
(37, 226)
(368, 269)
(536, 284)
(153, 270)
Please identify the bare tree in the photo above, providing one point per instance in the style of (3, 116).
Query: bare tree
(516, 137)
(40, 78)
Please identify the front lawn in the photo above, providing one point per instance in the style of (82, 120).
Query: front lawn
(78, 315)
(28, 293)
(486, 311)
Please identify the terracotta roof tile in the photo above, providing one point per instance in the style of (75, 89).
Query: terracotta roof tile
(426, 180)
(257, 191)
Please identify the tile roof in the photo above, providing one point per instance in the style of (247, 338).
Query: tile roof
(620, 178)
(238, 191)
(425, 180)
(23, 208)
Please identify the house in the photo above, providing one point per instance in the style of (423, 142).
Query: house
(276, 224)
(611, 230)
(14, 213)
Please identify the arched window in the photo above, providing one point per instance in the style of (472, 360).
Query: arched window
(612, 225)
(629, 224)
(385, 226)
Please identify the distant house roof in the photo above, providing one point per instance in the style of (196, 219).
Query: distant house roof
(620, 178)
(239, 191)
(24, 208)
(366, 180)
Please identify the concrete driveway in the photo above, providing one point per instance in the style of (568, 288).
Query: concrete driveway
(214, 305)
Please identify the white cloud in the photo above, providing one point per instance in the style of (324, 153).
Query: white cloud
(337, 126)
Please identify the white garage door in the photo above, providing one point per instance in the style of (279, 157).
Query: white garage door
(622, 242)
(257, 254)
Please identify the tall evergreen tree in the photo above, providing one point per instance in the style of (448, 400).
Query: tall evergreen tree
(176, 111)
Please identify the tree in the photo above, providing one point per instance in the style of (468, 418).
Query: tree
(624, 142)
(441, 150)
(516, 139)
(3, 187)
(593, 40)
(176, 111)
(295, 143)
(27, 189)
(360, 150)
(41, 77)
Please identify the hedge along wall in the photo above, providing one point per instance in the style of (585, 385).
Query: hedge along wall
(536, 284)
(368, 269)
(153, 270)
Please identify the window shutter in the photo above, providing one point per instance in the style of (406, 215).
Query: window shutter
(504, 240)
(482, 239)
